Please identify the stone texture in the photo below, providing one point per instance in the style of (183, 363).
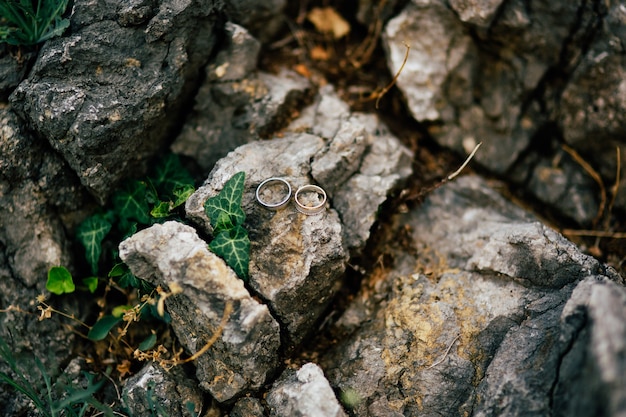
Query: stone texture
(34, 182)
(304, 392)
(438, 45)
(13, 67)
(361, 143)
(297, 261)
(106, 96)
(264, 19)
(236, 104)
(531, 74)
(593, 103)
(247, 352)
(247, 407)
(480, 13)
(477, 315)
(169, 391)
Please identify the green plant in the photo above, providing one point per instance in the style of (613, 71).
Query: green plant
(29, 22)
(140, 204)
(231, 240)
(55, 399)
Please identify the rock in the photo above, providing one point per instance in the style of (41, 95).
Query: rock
(556, 180)
(247, 407)
(106, 92)
(478, 315)
(361, 143)
(481, 89)
(479, 13)
(236, 104)
(168, 391)
(263, 19)
(246, 354)
(13, 67)
(593, 103)
(438, 45)
(304, 392)
(296, 261)
(237, 58)
(33, 181)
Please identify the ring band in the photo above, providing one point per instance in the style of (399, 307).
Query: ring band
(310, 210)
(265, 184)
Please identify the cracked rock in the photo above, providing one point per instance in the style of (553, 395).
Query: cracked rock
(106, 91)
(170, 390)
(246, 354)
(236, 104)
(297, 261)
(304, 392)
(473, 317)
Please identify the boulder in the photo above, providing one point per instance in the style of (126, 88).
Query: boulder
(303, 392)
(477, 315)
(107, 96)
(246, 354)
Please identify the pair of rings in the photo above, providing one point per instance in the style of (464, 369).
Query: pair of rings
(309, 199)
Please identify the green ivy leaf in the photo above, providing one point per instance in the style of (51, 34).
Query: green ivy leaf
(91, 283)
(169, 174)
(148, 343)
(118, 270)
(131, 202)
(182, 193)
(224, 222)
(60, 281)
(102, 327)
(90, 233)
(161, 210)
(234, 247)
(228, 201)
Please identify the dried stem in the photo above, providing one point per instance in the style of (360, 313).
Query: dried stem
(445, 354)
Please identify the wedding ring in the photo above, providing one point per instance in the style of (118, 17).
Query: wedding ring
(317, 207)
(263, 190)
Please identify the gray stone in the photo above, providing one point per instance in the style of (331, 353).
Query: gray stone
(230, 112)
(105, 92)
(247, 407)
(13, 67)
(561, 183)
(438, 45)
(482, 89)
(479, 13)
(593, 104)
(361, 166)
(304, 392)
(246, 354)
(33, 179)
(263, 18)
(473, 317)
(296, 261)
(154, 390)
(237, 58)
(35, 185)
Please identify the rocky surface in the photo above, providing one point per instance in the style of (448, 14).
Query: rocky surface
(478, 315)
(246, 354)
(304, 392)
(505, 73)
(297, 261)
(168, 392)
(129, 67)
(474, 306)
